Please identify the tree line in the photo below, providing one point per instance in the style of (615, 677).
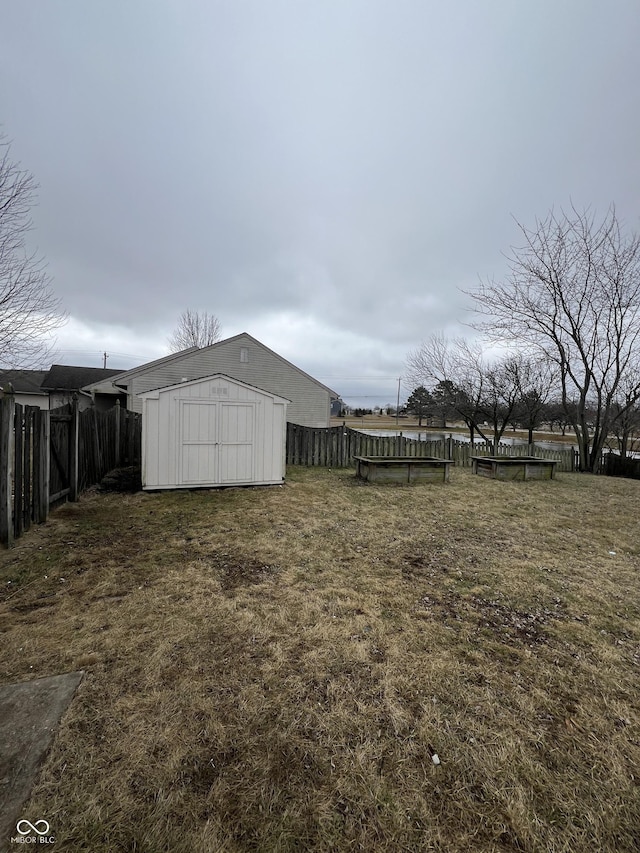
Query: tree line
(446, 404)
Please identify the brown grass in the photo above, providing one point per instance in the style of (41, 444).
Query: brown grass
(272, 669)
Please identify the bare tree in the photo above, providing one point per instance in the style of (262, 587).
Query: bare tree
(556, 413)
(455, 370)
(195, 329)
(480, 392)
(29, 310)
(501, 391)
(573, 297)
(535, 383)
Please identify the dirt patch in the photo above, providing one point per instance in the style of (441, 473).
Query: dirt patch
(440, 555)
(447, 607)
(508, 624)
(514, 625)
(234, 570)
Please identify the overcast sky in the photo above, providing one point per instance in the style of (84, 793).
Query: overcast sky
(328, 176)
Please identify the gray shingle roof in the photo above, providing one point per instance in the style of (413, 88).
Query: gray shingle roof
(23, 381)
(64, 377)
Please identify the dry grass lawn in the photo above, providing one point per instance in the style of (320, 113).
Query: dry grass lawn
(272, 669)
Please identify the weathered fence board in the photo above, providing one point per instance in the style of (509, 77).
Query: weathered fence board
(7, 422)
(60, 453)
(18, 471)
(27, 506)
(40, 466)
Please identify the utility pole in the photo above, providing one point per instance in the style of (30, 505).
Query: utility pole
(104, 359)
(398, 401)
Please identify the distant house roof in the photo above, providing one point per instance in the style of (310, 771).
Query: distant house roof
(24, 381)
(64, 377)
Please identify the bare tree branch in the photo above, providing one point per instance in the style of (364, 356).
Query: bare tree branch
(29, 310)
(195, 329)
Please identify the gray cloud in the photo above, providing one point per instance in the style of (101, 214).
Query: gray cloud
(327, 175)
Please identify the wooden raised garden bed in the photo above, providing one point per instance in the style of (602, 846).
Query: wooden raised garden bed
(514, 467)
(402, 469)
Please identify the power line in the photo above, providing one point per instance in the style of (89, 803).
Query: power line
(99, 352)
(362, 378)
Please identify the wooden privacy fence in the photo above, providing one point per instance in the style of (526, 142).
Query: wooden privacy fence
(107, 440)
(24, 468)
(617, 466)
(335, 447)
(51, 456)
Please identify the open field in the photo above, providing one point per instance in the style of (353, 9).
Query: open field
(272, 669)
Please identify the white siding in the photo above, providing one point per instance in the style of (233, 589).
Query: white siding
(212, 432)
(309, 401)
(63, 398)
(25, 399)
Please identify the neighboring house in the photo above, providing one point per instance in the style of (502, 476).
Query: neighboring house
(243, 358)
(63, 381)
(26, 386)
(337, 406)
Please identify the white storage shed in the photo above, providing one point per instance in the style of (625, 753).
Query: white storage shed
(214, 431)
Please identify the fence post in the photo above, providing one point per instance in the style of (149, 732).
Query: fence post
(41, 454)
(37, 418)
(7, 418)
(131, 450)
(117, 447)
(29, 417)
(73, 451)
(18, 471)
(98, 459)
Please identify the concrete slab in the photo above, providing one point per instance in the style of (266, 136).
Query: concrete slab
(29, 714)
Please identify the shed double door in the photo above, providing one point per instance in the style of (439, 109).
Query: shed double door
(217, 442)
